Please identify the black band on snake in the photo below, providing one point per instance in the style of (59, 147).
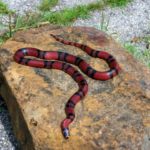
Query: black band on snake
(61, 61)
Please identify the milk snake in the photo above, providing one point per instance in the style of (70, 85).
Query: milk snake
(62, 57)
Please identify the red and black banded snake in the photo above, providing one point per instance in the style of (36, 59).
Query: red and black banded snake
(63, 57)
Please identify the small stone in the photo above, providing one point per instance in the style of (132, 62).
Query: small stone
(33, 122)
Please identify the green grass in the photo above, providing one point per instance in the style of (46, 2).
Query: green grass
(68, 15)
(4, 38)
(63, 17)
(143, 56)
(146, 39)
(27, 21)
(3, 8)
(46, 5)
(1, 41)
(117, 3)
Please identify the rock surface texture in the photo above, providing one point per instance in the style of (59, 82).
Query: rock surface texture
(114, 114)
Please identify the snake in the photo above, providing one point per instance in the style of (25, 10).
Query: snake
(61, 61)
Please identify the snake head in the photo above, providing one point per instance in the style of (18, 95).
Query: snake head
(66, 133)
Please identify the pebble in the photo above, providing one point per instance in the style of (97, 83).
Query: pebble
(122, 23)
(22, 6)
(7, 138)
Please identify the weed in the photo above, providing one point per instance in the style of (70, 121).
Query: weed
(117, 3)
(4, 38)
(46, 5)
(68, 15)
(143, 56)
(3, 8)
(5, 11)
(104, 22)
(1, 41)
(27, 21)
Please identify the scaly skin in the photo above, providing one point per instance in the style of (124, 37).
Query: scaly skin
(20, 57)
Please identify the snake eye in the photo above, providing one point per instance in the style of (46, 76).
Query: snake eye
(66, 133)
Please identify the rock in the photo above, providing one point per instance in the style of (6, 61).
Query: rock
(114, 114)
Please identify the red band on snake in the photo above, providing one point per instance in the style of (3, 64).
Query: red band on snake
(62, 64)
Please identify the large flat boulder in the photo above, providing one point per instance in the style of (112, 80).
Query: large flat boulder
(113, 115)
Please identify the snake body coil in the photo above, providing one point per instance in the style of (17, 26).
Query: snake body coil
(20, 55)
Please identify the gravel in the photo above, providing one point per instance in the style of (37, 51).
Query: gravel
(22, 6)
(66, 3)
(123, 24)
(7, 138)
(127, 23)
